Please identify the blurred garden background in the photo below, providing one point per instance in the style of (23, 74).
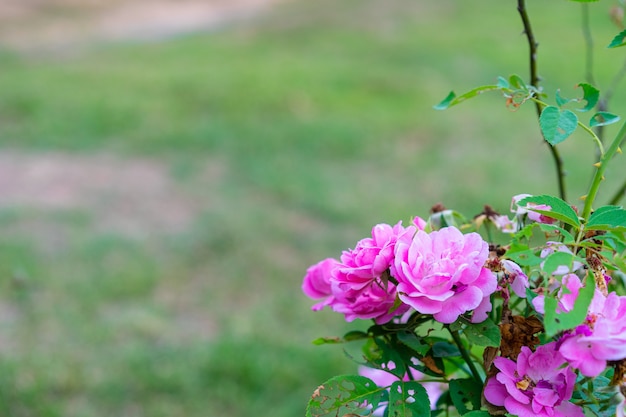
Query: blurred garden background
(168, 171)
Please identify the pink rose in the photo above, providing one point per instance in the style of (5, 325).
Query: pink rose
(566, 299)
(536, 386)
(515, 277)
(375, 301)
(443, 273)
(370, 258)
(601, 338)
(317, 282)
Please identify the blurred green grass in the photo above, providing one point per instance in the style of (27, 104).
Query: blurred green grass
(320, 118)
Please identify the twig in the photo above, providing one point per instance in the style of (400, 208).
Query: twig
(534, 81)
(464, 354)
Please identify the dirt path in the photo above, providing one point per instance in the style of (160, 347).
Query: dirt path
(51, 24)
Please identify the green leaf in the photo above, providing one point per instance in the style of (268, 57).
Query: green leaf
(522, 255)
(327, 341)
(408, 399)
(503, 83)
(557, 125)
(355, 335)
(413, 342)
(555, 322)
(516, 82)
(591, 95)
(445, 103)
(486, 333)
(390, 354)
(343, 395)
(445, 349)
(557, 259)
(585, 1)
(477, 413)
(604, 209)
(560, 100)
(348, 337)
(618, 40)
(452, 100)
(552, 228)
(559, 209)
(609, 218)
(465, 391)
(603, 118)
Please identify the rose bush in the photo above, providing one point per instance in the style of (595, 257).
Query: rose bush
(523, 315)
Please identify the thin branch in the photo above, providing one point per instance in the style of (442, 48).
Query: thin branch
(586, 29)
(534, 81)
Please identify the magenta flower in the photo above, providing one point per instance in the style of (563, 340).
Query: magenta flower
(419, 223)
(515, 277)
(566, 299)
(317, 282)
(375, 301)
(601, 338)
(536, 386)
(370, 258)
(443, 273)
(355, 286)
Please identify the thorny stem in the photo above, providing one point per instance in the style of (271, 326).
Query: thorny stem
(464, 354)
(588, 45)
(599, 175)
(589, 68)
(534, 81)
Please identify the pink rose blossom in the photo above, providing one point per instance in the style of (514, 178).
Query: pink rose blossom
(443, 273)
(566, 299)
(376, 301)
(370, 258)
(504, 224)
(536, 386)
(355, 286)
(601, 338)
(515, 277)
(419, 223)
(317, 282)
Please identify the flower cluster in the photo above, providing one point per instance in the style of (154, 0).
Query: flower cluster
(441, 273)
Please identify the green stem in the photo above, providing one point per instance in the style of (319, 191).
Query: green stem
(534, 81)
(601, 167)
(465, 354)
